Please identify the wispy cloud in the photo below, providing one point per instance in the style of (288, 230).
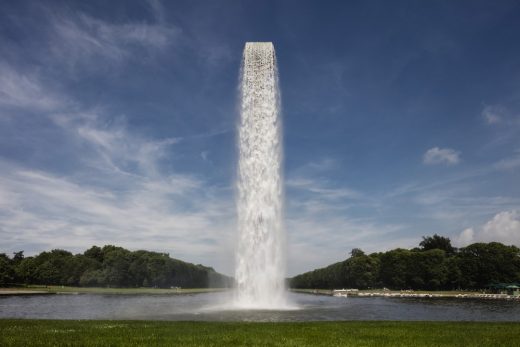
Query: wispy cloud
(81, 38)
(319, 189)
(314, 230)
(121, 187)
(318, 217)
(119, 193)
(494, 114)
(25, 90)
(60, 212)
(499, 114)
(438, 155)
(508, 163)
(122, 151)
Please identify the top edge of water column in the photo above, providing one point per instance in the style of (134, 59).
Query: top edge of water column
(259, 44)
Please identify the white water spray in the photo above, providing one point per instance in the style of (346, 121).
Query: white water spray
(260, 262)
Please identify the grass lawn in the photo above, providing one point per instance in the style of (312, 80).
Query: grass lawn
(154, 333)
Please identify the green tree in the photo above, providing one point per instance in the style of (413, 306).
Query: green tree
(26, 270)
(76, 267)
(454, 275)
(7, 273)
(95, 253)
(116, 266)
(362, 271)
(394, 268)
(356, 252)
(109, 265)
(437, 242)
(18, 257)
(92, 278)
(482, 264)
(427, 269)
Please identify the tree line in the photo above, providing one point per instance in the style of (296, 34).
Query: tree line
(434, 265)
(107, 266)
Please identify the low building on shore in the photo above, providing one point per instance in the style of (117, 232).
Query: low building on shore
(505, 288)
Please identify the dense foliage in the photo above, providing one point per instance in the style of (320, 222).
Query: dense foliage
(108, 266)
(434, 265)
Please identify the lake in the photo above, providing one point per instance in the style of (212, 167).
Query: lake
(210, 307)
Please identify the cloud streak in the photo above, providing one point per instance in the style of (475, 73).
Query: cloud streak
(438, 155)
(79, 38)
(498, 114)
(24, 90)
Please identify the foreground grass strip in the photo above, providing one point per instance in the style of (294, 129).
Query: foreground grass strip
(146, 333)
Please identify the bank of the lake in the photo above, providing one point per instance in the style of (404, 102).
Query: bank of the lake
(37, 290)
(147, 333)
(423, 294)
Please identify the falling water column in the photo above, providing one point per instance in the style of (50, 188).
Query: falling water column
(260, 261)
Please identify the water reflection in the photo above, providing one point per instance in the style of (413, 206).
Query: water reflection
(210, 306)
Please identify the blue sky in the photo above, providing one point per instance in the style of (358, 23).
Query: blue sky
(117, 124)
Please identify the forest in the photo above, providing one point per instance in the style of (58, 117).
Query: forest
(434, 265)
(107, 266)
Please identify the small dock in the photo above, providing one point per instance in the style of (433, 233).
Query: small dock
(343, 293)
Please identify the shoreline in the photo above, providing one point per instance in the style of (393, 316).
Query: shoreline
(56, 290)
(411, 294)
(59, 290)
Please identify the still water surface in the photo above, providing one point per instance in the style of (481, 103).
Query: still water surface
(209, 306)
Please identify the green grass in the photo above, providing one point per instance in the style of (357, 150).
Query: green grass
(154, 333)
(64, 289)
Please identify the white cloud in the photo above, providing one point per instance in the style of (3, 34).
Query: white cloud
(503, 227)
(438, 155)
(466, 237)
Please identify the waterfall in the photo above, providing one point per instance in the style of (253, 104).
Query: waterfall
(260, 259)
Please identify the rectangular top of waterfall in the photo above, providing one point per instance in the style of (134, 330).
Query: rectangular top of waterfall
(264, 47)
(259, 53)
(260, 44)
